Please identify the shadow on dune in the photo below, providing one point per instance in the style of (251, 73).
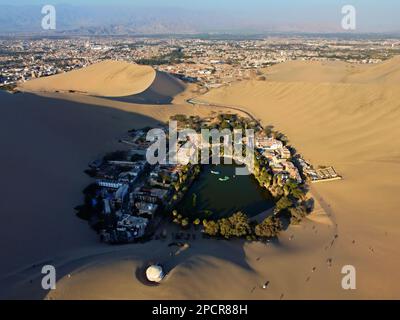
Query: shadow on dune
(195, 257)
(47, 143)
(162, 91)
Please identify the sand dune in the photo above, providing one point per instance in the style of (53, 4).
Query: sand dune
(387, 73)
(108, 78)
(348, 117)
(351, 121)
(49, 141)
(116, 79)
(308, 71)
(163, 90)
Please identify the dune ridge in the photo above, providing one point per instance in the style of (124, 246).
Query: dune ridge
(387, 72)
(108, 78)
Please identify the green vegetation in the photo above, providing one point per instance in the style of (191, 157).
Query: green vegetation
(185, 222)
(297, 214)
(289, 195)
(283, 203)
(211, 228)
(238, 226)
(235, 226)
(192, 122)
(186, 177)
(269, 228)
(8, 87)
(194, 200)
(174, 57)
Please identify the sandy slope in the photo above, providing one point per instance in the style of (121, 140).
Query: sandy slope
(117, 80)
(350, 124)
(163, 90)
(107, 78)
(387, 72)
(312, 71)
(47, 142)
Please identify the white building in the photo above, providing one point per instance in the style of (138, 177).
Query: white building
(109, 184)
(268, 143)
(155, 273)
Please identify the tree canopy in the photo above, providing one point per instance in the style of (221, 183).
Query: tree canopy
(270, 227)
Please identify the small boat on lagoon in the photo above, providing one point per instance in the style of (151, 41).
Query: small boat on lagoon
(224, 179)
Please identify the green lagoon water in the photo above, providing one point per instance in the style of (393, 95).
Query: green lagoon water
(223, 198)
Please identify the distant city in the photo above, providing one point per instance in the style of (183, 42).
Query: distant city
(209, 61)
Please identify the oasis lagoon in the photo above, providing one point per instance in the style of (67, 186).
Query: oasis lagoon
(218, 193)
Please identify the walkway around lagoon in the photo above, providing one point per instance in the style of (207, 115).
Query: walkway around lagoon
(194, 101)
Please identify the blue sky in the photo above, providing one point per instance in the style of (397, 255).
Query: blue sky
(379, 15)
(218, 4)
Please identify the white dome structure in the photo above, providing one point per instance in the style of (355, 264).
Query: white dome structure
(155, 273)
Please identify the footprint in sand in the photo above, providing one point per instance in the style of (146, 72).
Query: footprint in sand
(372, 249)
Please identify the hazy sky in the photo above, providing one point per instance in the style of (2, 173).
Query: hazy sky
(372, 15)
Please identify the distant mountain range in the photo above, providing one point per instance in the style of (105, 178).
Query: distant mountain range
(103, 20)
(127, 20)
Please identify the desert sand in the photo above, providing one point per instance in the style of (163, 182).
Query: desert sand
(338, 72)
(346, 116)
(108, 78)
(49, 139)
(117, 80)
